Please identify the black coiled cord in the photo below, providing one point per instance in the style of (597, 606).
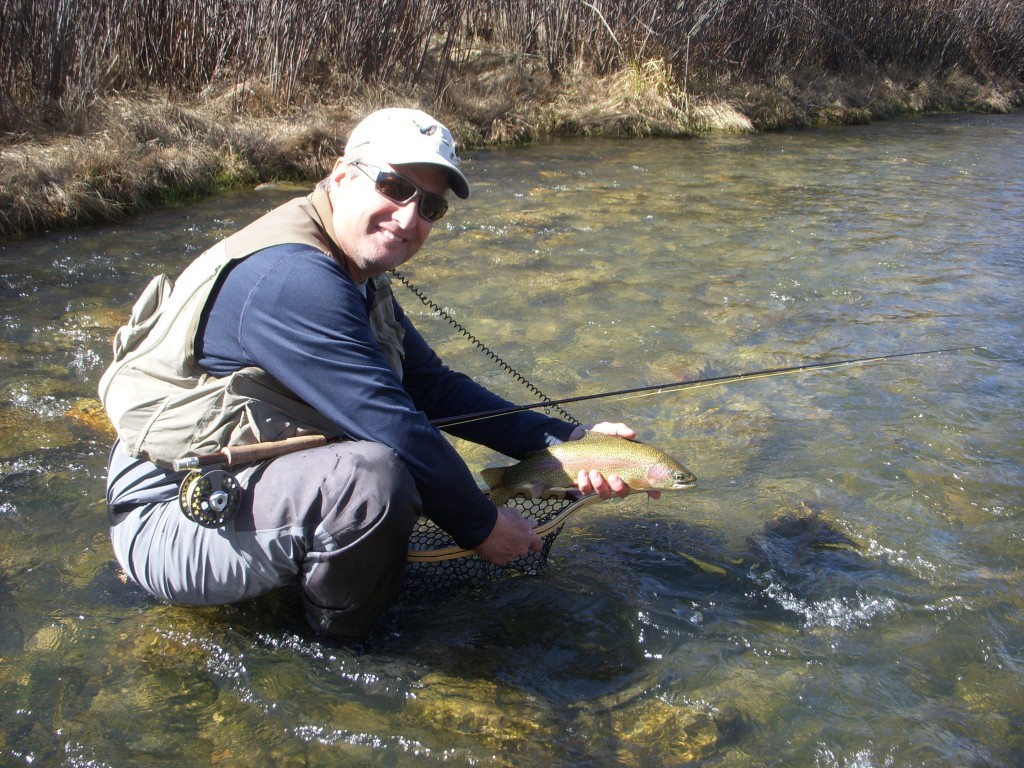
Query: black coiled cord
(439, 310)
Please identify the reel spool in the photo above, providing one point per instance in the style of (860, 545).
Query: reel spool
(210, 499)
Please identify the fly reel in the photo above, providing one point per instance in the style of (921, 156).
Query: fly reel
(211, 498)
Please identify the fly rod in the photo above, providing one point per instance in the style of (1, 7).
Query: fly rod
(686, 384)
(243, 454)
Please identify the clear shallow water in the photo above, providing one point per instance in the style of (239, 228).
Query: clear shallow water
(842, 589)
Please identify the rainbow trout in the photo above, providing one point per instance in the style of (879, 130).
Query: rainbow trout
(641, 467)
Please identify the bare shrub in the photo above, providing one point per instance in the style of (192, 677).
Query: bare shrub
(62, 54)
(178, 97)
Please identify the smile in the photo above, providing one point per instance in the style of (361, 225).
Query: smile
(388, 234)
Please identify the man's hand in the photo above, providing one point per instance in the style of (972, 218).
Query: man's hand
(593, 481)
(512, 537)
(615, 429)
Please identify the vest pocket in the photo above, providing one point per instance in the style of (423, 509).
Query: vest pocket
(145, 313)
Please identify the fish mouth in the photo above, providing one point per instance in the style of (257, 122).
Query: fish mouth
(681, 482)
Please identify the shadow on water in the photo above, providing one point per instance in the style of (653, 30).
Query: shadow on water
(573, 644)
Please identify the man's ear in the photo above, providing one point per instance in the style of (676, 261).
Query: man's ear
(339, 171)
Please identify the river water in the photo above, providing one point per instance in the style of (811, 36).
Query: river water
(843, 588)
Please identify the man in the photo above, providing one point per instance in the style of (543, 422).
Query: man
(287, 327)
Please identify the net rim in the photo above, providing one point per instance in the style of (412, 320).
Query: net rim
(454, 551)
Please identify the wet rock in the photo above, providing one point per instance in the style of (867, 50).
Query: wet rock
(479, 709)
(655, 732)
(89, 413)
(22, 432)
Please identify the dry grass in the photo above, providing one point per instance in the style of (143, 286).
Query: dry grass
(149, 151)
(106, 109)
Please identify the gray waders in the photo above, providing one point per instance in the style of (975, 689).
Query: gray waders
(337, 519)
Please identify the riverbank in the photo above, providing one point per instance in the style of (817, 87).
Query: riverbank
(133, 152)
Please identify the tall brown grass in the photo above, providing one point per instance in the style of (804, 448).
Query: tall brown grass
(56, 56)
(191, 92)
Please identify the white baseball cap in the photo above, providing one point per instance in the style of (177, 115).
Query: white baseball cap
(399, 136)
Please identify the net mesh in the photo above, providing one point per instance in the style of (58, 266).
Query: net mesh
(437, 562)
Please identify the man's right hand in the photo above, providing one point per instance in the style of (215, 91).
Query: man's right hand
(511, 538)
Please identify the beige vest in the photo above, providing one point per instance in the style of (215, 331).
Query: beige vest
(164, 407)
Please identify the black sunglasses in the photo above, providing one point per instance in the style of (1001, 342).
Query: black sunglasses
(399, 189)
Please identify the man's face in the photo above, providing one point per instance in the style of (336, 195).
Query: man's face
(375, 233)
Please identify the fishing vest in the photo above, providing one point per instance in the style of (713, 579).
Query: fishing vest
(164, 407)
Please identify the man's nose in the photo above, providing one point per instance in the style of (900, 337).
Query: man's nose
(407, 214)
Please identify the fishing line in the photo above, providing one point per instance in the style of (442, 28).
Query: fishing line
(677, 386)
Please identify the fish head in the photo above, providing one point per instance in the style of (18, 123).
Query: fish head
(670, 477)
(683, 479)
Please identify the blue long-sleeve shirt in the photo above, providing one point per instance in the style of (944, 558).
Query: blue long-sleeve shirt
(295, 312)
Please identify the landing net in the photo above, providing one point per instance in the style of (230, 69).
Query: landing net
(437, 562)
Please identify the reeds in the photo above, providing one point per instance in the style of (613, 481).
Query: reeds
(109, 106)
(56, 56)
